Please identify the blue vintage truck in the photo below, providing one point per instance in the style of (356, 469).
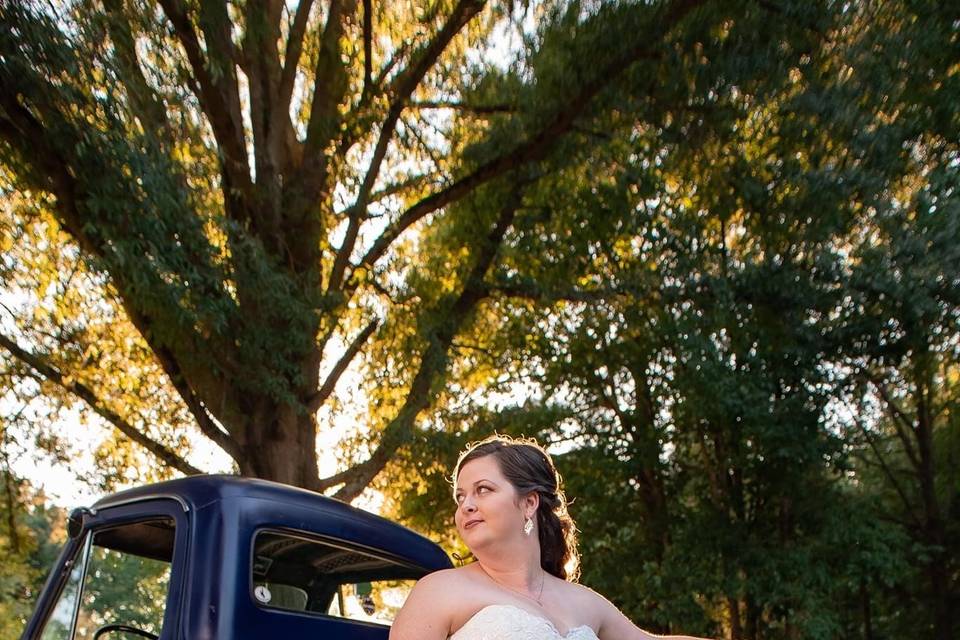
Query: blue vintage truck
(228, 558)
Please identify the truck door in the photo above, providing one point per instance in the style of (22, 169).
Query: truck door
(116, 579)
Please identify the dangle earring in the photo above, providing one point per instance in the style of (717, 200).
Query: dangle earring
(528, 525)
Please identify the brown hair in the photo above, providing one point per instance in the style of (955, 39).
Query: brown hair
(529, 468)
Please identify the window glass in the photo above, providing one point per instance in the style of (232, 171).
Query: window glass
(298, 573)
(58, 624)
(127, 578)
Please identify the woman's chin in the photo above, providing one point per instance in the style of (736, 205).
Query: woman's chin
(476, 539)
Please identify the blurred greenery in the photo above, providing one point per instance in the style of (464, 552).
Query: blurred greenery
(30, 539)
(123, 588)
(745, 350)
(119, 587)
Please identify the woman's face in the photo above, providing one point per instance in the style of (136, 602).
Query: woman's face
(487, 506)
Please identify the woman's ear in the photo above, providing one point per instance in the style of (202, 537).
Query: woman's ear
(531, 503)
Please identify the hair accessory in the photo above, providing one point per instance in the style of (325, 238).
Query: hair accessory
(528, 525)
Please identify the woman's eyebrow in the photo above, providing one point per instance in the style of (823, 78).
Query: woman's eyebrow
(475, 483)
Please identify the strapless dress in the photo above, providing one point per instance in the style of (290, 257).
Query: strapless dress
(509, 622)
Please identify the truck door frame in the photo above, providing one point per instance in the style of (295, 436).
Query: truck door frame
(78, 547)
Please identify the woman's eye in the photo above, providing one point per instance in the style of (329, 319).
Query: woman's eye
(482, 489)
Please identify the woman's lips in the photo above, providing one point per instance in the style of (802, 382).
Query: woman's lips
(469, 524)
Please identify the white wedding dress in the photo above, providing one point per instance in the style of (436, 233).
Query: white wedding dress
(508, 622)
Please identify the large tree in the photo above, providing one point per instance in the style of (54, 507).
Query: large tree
(237, 184)
(746, 351)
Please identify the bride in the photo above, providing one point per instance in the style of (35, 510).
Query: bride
(512, 515)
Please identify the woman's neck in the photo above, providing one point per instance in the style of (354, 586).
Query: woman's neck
(519, 570)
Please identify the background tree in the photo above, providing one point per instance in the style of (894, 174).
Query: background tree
(739, 268)
(238, 179)
(30, 537)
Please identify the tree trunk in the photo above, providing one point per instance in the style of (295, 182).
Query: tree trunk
(656, 519)
(934, 531)
(865, 608)
(11, 500)
(651, 477)
(733, 610)
(282, 446)
(752, 628)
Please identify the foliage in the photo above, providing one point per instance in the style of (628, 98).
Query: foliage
(123, 588)
(30, 537)
(750, 333)
(234, 187)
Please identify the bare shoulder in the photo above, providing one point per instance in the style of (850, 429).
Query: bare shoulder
(439, 582)
(590, 606)
(608, 621)
(582, 595)
(437, 590)
(428, 611)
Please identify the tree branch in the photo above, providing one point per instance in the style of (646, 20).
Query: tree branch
(531, 291)
(367, 50)
(885, 468)
(84, 393)
(480, 109)
(405, 84)
(291, 58)
(334, 376)
(269, 116)
(46, 166)
(23, 132)
(900, 421)
(536, 146)
(217, 94)
(433, 363)
(145, 103)
(360, 120)
(204, 420)
(330, 84)
(395, 188)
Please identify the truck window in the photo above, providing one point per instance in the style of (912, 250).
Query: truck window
(61, 619)
(123, 580)
(294, 572)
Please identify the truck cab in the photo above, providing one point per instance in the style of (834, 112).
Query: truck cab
(228, 558)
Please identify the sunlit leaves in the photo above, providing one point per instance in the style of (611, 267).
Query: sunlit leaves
(696, 289)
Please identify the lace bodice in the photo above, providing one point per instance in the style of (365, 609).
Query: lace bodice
(508, 622)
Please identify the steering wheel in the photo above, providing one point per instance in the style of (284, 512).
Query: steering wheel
(123, 628)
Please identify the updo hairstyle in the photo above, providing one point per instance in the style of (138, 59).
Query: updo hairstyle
(529, 468)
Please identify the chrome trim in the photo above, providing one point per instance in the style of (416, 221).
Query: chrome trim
(150, 496)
